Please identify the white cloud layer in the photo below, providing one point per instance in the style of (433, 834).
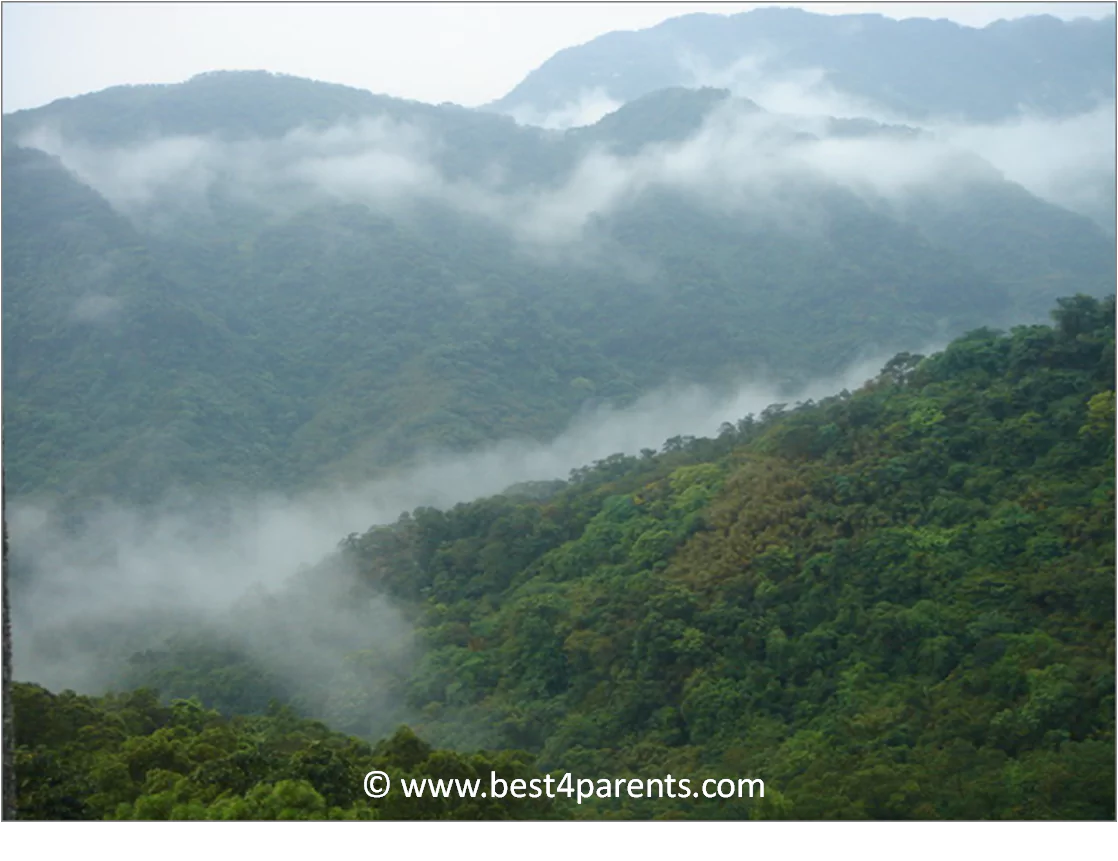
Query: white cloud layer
(132, 576)
(739, 160)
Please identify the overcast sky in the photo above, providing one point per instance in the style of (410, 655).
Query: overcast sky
(433, 52)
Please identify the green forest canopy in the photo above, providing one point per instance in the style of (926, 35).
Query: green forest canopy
(897, 603)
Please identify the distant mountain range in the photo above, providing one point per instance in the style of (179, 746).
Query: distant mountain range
(914, 68)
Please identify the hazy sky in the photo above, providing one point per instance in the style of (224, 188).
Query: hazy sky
(434, 52)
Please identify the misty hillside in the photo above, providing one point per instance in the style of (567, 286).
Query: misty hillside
(915, 68)
(896, 603)
(1035, 94)
(731, 403)
(251, 281)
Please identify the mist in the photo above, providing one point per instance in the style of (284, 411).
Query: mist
(1067, 161)
(740, 161)
(261, 576)
(804, 91)
(585, 110)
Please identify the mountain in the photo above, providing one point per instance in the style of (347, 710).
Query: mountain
(251, 281)
(102, 347)
(914, 68)
(870, 604)
(1033, 95)
(249, 319)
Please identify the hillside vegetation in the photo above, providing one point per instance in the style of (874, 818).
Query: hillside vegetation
(896, 603)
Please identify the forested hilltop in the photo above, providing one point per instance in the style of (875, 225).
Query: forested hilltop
(255, 282)
(896, 603)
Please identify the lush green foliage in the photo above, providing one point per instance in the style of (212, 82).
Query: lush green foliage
(897, 604)
(894, 604)
(128, 757)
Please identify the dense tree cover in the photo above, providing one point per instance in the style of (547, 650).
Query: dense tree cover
(892, 604)
(211, 341)
(129, 757)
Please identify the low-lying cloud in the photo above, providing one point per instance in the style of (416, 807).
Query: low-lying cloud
(1068, 161)
(96, 308)
(805, 91)
(739, 160)
(584, 110)
(261, 574)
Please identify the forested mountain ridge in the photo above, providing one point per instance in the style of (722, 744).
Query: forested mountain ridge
(1038, 64)
(896, 603)
(256, 281)
(871, 601)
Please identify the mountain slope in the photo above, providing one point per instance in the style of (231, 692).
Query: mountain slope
(288, 282)
(855, 600)
(114, 372)
(893, 604)
(1036, 64)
